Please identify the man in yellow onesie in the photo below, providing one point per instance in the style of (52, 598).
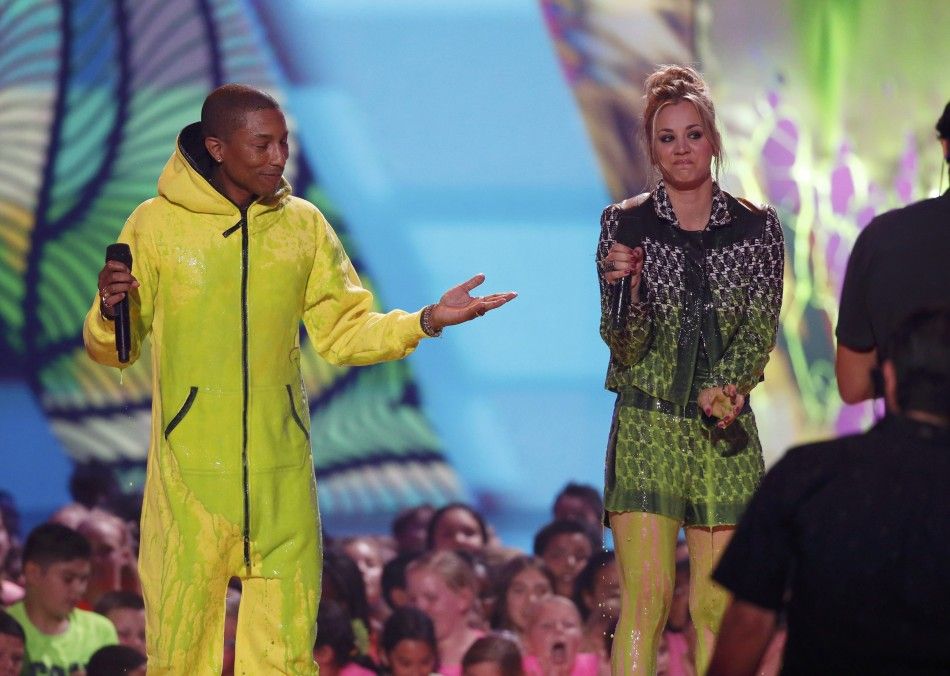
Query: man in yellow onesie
(227, 264)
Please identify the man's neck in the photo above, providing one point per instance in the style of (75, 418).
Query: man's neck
(45, 622)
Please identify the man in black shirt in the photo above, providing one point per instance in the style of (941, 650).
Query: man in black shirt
(898, 265)
(851, 537)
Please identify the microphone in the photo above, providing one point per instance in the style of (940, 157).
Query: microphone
(123, 332)
(620, 303)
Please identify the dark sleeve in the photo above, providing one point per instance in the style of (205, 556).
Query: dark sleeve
(854, 319)
(755, 566)
(743, 363)
(630, 343)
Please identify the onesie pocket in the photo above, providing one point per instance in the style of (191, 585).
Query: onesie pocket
(278, 434)
(204, 434)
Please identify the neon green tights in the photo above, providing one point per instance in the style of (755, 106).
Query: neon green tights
(645, 546)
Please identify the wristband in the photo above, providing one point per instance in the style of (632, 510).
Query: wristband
(425, 321)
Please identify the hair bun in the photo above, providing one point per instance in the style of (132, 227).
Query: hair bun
(673, 81)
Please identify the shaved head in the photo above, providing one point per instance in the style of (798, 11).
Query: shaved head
(224, 109)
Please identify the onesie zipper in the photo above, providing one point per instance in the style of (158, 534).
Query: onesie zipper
(246, 532)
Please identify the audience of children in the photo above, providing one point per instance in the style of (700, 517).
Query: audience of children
(126, 611)
(439, 596)
(12, 645)
(443, 585)
(565, 546)
(408, 646)
(457, 527)
(493, 655)
(116, 660)
(56, 569)
(554, 640)
(522, 582)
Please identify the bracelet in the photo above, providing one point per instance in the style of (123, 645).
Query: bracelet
(425, 321)
(103, 314)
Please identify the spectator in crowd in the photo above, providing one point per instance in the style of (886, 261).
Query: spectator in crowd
(126, 611)
(565, 546)
(678, 641)
(56, 566)
(408, 643)
(410, 529)
(493, 655)
(597, 597)
(335, 650)
(457, 526)
(579, 502)
(853, 532)
(443, 585)
(10, 592)
(367, 554)
(897, 266)
(113, 558)
(343, 583)
(521, 583)
(554, 638)
(116, 660)
(393, 581)
(12, 645)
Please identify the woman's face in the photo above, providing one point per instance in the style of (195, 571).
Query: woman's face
(458, 529)
(526, 588)
(681, 146)
(447, 608)
(411, 658)
(555, 635)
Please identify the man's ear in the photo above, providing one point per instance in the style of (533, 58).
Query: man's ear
(215, 147)
(32, 571)
(890, 386)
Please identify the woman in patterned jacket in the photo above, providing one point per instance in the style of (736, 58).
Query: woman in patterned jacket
(688, 343)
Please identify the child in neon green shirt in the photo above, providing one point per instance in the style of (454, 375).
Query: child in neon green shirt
(59, 637)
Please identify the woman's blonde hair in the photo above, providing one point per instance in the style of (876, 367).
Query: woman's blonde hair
(671, 84)
(454, 570)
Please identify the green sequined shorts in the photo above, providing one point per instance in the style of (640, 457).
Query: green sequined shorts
(681, 467)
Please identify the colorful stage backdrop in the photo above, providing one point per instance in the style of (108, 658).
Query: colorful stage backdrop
(442, 138)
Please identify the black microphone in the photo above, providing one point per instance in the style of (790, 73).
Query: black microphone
(620, 303)
(123, 332)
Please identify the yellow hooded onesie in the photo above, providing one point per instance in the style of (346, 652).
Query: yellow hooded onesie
(230, 488)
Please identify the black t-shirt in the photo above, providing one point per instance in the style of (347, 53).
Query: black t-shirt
(900, 263)
(857, 532)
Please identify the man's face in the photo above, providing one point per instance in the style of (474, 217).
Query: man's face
(253, 156)
(11, 655)
(130, 626)
(57, 587)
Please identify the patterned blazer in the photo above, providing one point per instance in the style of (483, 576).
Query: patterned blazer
(713, 295)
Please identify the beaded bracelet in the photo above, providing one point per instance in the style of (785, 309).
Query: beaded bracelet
(425, 321)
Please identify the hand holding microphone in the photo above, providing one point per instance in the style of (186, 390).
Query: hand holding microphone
(115, 283)
(623, 263)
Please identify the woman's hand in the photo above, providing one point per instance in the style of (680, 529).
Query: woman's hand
(457, 305)
(724, 403)
(622, 261)
(115, 281)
